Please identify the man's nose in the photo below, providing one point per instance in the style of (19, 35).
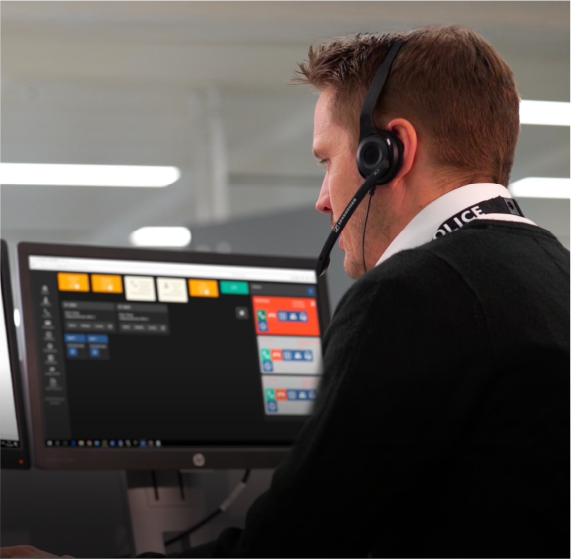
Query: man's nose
(323, 203)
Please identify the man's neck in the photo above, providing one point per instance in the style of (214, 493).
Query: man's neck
(411, 199)
(462, 204)
(405, 200)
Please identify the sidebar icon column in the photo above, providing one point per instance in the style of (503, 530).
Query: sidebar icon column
(51, 361)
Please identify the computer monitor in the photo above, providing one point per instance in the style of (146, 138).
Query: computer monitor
(13, 436)
(146, 359)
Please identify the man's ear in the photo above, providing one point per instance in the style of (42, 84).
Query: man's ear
(406, 133)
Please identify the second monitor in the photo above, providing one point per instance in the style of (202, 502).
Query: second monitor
(13, 435)
(159, 360)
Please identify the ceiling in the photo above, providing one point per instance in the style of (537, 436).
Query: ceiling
(204, 86)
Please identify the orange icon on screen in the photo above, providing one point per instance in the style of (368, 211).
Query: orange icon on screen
(281, 394)
(276, 354)
(106, 284)
(72, 282)
(203, 288)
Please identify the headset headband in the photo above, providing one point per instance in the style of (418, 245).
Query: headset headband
(366, 124)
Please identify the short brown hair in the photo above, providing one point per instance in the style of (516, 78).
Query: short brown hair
(448, 81)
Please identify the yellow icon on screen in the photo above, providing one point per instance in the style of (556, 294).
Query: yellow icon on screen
(72, 282)
(106, 284)
(203, 288)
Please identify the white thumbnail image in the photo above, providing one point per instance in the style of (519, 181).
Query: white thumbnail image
(293, 395)
(8, 421)
(294, 355)
(172, 290)
(140, 288)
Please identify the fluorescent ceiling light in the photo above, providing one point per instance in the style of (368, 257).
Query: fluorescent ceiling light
(88, 175)
(548, 113)
(160, 237)
(539, 187)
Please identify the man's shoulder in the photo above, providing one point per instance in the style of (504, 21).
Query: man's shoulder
(493, 240)
(487, 246)
(483, 254)
(413, 296)
(410, 275)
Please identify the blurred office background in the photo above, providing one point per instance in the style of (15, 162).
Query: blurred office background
(203, 86)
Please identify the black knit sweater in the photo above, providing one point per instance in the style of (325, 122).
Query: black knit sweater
(442, 425)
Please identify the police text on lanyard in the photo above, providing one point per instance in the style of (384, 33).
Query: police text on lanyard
(498, 205)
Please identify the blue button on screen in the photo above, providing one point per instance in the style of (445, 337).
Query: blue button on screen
(74, 338)
(268, 366)
(97, 339)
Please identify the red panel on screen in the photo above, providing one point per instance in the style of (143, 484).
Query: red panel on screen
(287, 316)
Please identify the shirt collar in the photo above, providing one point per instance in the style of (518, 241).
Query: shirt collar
(421, 228)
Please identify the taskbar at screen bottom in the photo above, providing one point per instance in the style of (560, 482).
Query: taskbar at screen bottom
(9, 444)
(154, 443)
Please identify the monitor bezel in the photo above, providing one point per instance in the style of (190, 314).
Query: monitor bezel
(226, 457)
(13, 458)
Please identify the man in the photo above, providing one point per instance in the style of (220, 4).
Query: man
(442, 425)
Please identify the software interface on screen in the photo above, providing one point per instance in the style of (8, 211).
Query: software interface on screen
(9, 437)
(161, 354)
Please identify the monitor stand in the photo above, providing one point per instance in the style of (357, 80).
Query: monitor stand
(161, 505)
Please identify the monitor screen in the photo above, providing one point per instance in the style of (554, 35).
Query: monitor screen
(12, 430)
(156, 359)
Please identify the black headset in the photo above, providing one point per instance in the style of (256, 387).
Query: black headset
(379, 156)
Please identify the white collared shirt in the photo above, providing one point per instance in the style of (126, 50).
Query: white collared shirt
(423, 226)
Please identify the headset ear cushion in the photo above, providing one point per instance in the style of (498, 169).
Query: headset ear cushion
(375, 148)
(372, 151)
